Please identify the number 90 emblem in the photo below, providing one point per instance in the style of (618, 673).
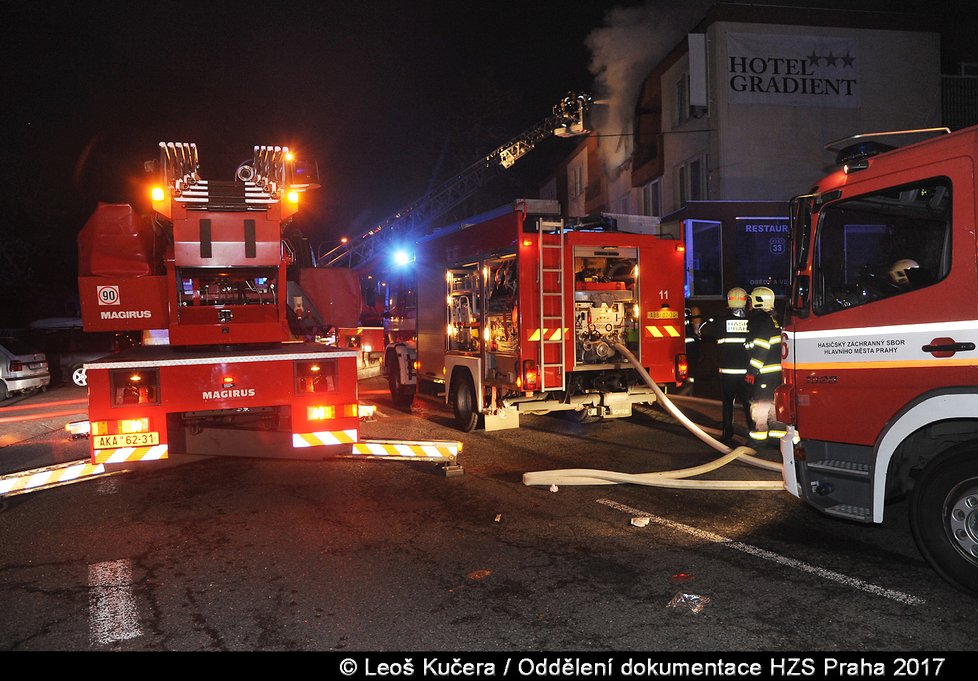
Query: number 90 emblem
(107, 295)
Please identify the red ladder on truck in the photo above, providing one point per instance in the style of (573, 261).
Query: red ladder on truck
(553, 322)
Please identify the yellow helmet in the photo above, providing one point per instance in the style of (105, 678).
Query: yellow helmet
(762, 298)
(898, 272)
(736, 298)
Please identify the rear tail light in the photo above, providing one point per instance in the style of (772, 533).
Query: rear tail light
(530, 376)
(16, 365)
(328, 412)
(682, 368)
(133, 425)
(322, 413)
(122, 426)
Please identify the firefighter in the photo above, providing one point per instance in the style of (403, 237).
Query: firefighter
(764, 366)
(900, 272)
(730, 333)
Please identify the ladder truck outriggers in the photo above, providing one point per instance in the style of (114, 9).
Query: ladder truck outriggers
(517, 311)
(881, 335)
(205, 279)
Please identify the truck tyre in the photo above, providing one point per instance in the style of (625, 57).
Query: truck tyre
(401, 395)
(944, 518)
(3, 391)
(462, 397)
(79, 376)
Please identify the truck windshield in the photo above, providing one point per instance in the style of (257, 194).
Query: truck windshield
(880, 245)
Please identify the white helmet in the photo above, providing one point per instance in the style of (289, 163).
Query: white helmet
(762, 298)
(736, 298)
(898, 272)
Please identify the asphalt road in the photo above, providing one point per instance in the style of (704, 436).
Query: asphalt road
(230, 554)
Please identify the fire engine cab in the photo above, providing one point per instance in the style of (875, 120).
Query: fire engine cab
(204, 279)
(881, 341)
(517, 311)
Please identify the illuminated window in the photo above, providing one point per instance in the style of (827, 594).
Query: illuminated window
(315, 376)
(704, 272)
(132, 387)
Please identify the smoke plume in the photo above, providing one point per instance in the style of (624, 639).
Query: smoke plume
(623, 53)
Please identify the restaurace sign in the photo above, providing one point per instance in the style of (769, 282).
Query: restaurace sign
(792, 70)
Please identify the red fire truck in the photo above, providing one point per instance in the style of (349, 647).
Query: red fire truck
(206, 281)
(880, 361)
(516, 311)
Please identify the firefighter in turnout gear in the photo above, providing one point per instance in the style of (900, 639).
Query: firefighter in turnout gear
(764, 366)
(730, 333)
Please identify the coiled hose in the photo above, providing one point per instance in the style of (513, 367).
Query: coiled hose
(675, 478)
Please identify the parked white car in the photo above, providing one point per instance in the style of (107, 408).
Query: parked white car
(22, 368)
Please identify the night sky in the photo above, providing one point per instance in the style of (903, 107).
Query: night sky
(381, 94)
(388, 97)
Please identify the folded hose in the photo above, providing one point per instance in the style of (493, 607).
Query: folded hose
(676, 478)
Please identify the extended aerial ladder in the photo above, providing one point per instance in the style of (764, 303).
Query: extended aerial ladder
(569, 119)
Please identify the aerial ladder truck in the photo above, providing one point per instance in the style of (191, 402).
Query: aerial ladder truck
(205, 279)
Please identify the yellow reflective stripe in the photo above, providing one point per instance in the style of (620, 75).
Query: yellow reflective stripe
(733, 371)
(762, 343)
(756, 363)
(431, 451)
(770, 368)
(59, 474)
(337, 437)
(124, 454)
(774, 340)
(663, 331)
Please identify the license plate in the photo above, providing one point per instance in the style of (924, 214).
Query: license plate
(126, 440)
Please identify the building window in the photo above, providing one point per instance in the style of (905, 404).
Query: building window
(691, 181)
(704, 275)
(652, 199)
(576, 181)
(682, 99)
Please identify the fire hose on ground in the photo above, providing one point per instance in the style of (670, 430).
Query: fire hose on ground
(674, 478)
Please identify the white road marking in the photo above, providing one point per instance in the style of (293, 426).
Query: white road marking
(113, 615)
(907, 599)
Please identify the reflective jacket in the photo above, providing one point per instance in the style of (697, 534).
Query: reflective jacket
(731, 335)
(764, 347)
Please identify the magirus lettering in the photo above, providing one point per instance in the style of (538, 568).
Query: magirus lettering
(225, 394)
(127, 314)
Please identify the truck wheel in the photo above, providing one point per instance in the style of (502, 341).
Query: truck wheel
(401, 395)
(462, 397)
(3, 391)
(944, 518)
(79, 376)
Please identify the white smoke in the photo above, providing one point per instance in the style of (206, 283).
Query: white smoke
(623, 53)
